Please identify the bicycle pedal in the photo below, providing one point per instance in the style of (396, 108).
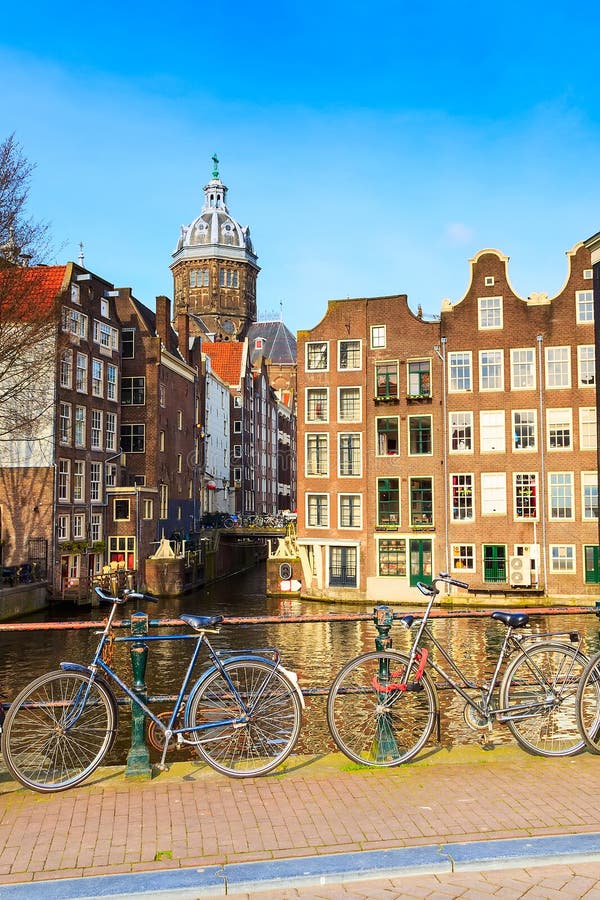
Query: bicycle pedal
(162, 767)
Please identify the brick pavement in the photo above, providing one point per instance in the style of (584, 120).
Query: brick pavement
(194, 817)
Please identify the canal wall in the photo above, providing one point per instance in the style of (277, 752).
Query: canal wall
(22, 599)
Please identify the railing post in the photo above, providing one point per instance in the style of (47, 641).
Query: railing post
(138, 758)
(387, 747)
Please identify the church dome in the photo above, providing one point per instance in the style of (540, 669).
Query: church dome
(215, 232)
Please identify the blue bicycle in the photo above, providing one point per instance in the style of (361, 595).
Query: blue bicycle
(242, 715)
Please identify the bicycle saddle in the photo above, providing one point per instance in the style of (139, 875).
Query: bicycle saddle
(200, 622)
(512, 620)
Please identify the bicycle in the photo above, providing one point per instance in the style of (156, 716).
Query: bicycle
(588, 705)
(383, 706)
(242, 715)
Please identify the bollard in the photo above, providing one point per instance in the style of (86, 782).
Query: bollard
(138, 758)
(387, 747)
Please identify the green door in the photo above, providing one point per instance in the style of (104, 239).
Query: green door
(494, 562)
(420, 561)
(592, 572)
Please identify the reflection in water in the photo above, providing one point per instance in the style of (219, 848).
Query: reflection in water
(316, 651)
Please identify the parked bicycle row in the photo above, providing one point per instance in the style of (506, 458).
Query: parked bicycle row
(243, 714)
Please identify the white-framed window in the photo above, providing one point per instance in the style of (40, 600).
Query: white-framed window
(588, 274)
(237, 426)
(387, 436)
(492, 431)
(463, 557)
(78, 480)
(560, 492)
(63, 528)
(237, 475)
(78, 526)
(388, 503)
(522, 369)
(238, 401)
(65, 423)
(491, 370)
(179, 420)
(97, 378)
(317, 510)
(386, 380)
(349, 355)
(163, 499)
(148, 508)
(586, 365)
(161, 441)
(559, 425)
(461, 432)
(418, 377)
(378, 337)
(349, 455)
(317, 454)
(558, 367)
(349, 404)
(66, 369)
(421, 501)
(121, 509)
(317, 404)
(111, 382)
(133, 390)
(489, 281)
(317, 356)
(587, 428)
(64, 479)
(237, 451)
(128, 343)
(96, 429)
(96, 482)
(460, 368)
(562, 557)
(111, 475)
(81, 373)
(589, 495)
(524, 430)
(96, 527)
(133, 437)
(74, 322)
(461, 497)
(80, 426)
(104, 308)
(111, 431)
(106, 335)
(179, 463)
(490, 312)
(420, 435)
(75, 294)
(493, 493)
(391, 557)
(350, 510)
(585, 307)
(525, 495)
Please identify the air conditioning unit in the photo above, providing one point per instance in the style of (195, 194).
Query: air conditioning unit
(520, 571)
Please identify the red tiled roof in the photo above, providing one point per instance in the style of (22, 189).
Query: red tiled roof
(37, 287)
(226, 359)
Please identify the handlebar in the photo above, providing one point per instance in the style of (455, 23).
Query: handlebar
(127, 595)
(432, 589)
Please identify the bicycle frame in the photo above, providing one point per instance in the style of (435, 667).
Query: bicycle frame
(99, 665)
(510, 644)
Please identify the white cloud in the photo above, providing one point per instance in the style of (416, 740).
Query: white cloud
(458, 233)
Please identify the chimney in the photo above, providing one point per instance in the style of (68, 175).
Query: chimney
(163, 319)
(183, 330)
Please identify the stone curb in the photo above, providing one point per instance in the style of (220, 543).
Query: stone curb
(338, 868)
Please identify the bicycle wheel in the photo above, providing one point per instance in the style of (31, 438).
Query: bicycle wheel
(543, 680)
(58, 730)
(251, 741)
(380, 727)
(588, 705)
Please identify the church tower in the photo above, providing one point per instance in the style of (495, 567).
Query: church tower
(215, 268)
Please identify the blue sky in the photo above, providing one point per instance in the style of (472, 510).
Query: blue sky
(371, 148)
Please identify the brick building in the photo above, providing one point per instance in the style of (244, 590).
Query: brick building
(53, 479)
(466, 443)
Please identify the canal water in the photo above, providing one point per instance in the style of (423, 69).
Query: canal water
(315, 650)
